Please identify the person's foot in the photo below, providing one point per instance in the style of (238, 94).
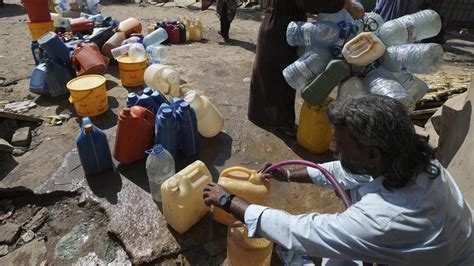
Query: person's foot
(226, 37)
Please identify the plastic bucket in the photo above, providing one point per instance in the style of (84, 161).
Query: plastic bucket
(38, 10)
(39, 29)
(131, 73)
(88, 95)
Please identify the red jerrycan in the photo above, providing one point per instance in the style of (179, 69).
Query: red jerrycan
(173, 33)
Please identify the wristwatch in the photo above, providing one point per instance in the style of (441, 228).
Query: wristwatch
(225, 200)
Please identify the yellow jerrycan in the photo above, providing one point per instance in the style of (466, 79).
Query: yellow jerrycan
(183, 204)
(314, 130)
(245, 251)
(246, 184)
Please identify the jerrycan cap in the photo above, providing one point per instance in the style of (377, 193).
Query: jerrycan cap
(88, 128)
(184, 106)
(167, 112)
(157, 149)
(148, 91)
(173, 185)
(132, 95)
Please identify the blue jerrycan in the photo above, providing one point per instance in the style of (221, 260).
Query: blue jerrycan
(147, 102)
(93, 149)
(166, 130)
(38, 83)
(188, 141)
(132, 99)
(159, 98)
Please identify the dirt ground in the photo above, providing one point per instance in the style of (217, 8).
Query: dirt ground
(220, 70)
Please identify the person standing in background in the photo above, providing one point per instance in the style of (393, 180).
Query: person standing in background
(272, 100)
(392, 9)
(226, 10)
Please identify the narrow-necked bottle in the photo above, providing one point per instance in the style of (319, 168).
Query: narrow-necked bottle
(159, 167)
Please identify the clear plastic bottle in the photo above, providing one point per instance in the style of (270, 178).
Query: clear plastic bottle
(411, 28)
(371, 22)
(159, 167)
(121, 50)
(136, 52)
(157, 54)
(422, 58)
(156, 37)
(307, 67)
(300, 33)
(415, 86)
(350, 88)
(382, 82)
(62, 6)
(133, 39)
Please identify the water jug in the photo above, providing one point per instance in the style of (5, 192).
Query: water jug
(136, 53)
(182, 32)
(57, 77)
(93, 149)
(319, 89)
(175, 91)
(209, 119)
(300, 33)
(188, 132)
(382, 82)
(314, 130)
(37, 51)
(242, 250)
(121, 50)
(411, 28)
(415, 86)
(148, 91)
(160, 77)
(101, 36)
(129, 26)
(159, 167)
(246, 184)
(132, 99)
(54, 47)
(156, 37)
(166, 131)
(156, 54)
(364, 49)
(135, 132)
(307, 67)
(38, 10)
(81, 24)
(421, 58)
(114, 41)
(350, 88)
(87, 59)
(147, 102)
(38, 80)
(183, 205)
(173, 33)
(195, 32)
(133, 39)
(159, 98)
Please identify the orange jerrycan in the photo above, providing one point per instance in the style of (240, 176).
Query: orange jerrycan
(245, 251)
(314, 130)
(246, 184)
(183, 204)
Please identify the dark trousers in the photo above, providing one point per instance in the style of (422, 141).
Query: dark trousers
(225, 23)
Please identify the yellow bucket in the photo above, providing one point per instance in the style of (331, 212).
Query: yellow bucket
(38, 29)
(131, 73)
(314, 130)
(88, 95)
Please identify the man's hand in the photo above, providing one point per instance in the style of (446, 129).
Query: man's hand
(212, 194)
(354, 8)
(276, 174)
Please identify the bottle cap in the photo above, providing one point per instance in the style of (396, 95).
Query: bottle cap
(167, 112)
(157, 149)
(173, 185)
(88, 128)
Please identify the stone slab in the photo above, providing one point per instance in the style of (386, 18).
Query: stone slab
(21, 137)
(9, 233)
(32, 253)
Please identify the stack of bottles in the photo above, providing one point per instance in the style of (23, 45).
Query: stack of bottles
(364, 56)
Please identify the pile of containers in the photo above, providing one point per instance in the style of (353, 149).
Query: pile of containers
(363, 56)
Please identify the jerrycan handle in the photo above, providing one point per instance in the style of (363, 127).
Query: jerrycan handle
(254, 176)
(190, 177)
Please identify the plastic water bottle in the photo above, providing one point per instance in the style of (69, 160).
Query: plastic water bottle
(62, 6)
(350, 88)
(136, 52)
(156, 37)
(166, 130)
(156, 54)
(121, 50)
(188, 131)
(415, 86)
(307, 67)
(159, 167)
(371, 22)
(411, 28)
(422, 58)
(300, 33)
(133, 39)
(382, 82)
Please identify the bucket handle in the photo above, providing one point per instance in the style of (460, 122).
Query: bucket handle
(71, 100)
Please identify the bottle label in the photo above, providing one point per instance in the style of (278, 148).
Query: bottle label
(411, 29)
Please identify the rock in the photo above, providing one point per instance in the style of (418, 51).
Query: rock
(19, 151)
(9, 233)
(3, 250)
(89, 259)
(28, 236)
(28, 254)
(5, 146)
(69, 246)
(22, 137)
(18, 107)
(38, 220)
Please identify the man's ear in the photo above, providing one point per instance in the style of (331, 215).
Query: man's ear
(374, 157)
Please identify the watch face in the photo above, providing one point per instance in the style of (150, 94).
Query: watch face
(223, 200)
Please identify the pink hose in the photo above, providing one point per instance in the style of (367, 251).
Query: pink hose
(340, 192)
